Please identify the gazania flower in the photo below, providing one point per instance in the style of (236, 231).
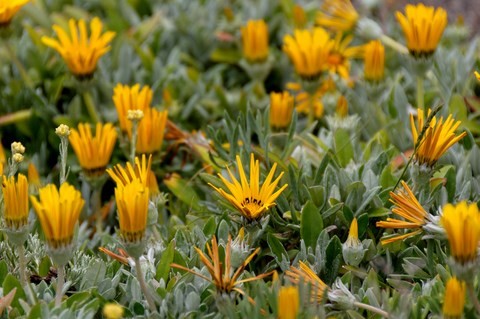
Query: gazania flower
(477, 75)
(93, 152)
(309, 51)
(337, 15)
(408, 207)
(303, 99)
(299, 16)
(130, 98)
(151, 131)
(438, 138)
(307, 275)
(281, 109)
(251, 200)
(33, 175)
(15, 197)
(374, 54)
(58, 212)
(352, 249)
(338, 60)
(223, 276)
(462, 225)
(288, 302)
(141, 171)
(132, 206)
(255, 41)
(342, 107)
(80, 52)
(454, 300)
(8, 9)
(423, 27)
(3, 157)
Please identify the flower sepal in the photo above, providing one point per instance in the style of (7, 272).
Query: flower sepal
(464, 271)
(257, 71)
(17, 236)
(61, 255)
(134, 248)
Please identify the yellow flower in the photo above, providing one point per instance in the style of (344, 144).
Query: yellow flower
(338, 60)
(288, 302)
(374, 55)
(423, 27)
(80, 52)
(3, 157)
(462, 225)
(342, 106)
(15, 197)
(308, 50)
(1, 168)
(299, 16)
(33, 175)
(477, 75)
(408, 207)
(438, 137)
(93, 152)
(8, 9)
(151, 130)
(112, 311)
(132, 207)
(281, 109)
(337, 15)
(255, 41)
(251, 200)
(130, 98)
(224, 279)
(58, 212)
(454, 299)
(303, 98)
(305, 274)
(141, 171)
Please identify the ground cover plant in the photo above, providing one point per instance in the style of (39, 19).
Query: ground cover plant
(238, 159)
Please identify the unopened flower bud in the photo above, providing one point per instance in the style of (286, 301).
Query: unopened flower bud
(17, 147)
(62, 130)
(369, 29)
(134, 115)
(352, 249)
(17, 158)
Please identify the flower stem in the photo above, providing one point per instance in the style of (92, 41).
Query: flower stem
(473, 297)
(22, 265)
(143, 286)
(63, 148)
(400, 48)
(311, 109)
(370, 308)
(133, 141)
(60, 283)
(420, 93)
(92, 111)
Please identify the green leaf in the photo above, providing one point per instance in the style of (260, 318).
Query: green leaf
(343, 147)
(209, 228)
(276, 247)
(3, 271)
(163, 267)
(333, 259)
(311, 224)
(44, 267)
(10, 283)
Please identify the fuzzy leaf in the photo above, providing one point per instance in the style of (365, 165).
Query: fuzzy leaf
(163, 266)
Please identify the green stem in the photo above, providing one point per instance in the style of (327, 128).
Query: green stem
(22, 265)
(370, 308)
(311, 109)
(143, 286)
(473, 297)
(23, 73)
(63, 159)
(133, 141)
(60, 283)
(15, 117)
(420, 94)
(400, 48)
(91, 109)
(96, 199)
